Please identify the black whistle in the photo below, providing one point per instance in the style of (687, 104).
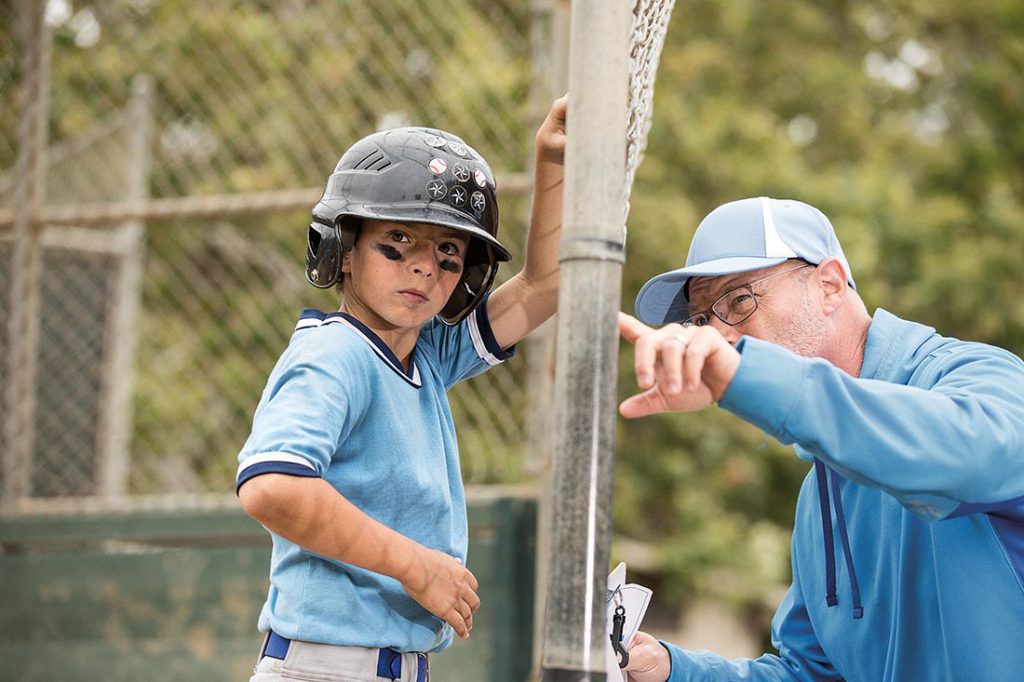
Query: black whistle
(618, 621)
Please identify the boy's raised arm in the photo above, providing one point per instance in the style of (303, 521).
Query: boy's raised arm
(530, 297)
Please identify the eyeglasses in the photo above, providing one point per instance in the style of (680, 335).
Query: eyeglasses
(735, 305)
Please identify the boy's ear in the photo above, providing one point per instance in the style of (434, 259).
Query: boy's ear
(346, 261)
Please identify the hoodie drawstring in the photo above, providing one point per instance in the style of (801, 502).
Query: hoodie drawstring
(826, 530)
(829, 540)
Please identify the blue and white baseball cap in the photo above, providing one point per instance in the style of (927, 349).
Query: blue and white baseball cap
(743, 235)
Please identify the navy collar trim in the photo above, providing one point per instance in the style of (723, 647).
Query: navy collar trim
(311, 318)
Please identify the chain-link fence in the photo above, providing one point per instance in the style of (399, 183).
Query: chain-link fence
(160, 158)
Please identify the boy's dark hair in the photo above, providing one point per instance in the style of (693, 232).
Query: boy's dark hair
(417, 175)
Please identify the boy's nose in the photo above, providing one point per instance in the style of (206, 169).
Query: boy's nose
(422, 260)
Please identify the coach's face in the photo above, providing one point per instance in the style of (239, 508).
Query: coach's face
(785, 312)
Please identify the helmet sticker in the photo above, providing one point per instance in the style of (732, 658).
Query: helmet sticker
(437, 166)
(478, 202)
(435, 141)
(457, 148)
(436, 189)
(480, 177)
(458, 196)
(460, 172)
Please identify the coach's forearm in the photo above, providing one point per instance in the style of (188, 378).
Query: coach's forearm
(313, 515)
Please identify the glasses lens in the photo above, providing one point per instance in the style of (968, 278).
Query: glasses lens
(736, 305)
(698, 320)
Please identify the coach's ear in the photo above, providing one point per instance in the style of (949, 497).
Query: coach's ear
(831, 278)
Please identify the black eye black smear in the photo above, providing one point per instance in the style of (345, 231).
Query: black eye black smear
(450, 266)
(389, 252)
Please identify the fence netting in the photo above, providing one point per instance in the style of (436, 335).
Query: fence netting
(155, 330)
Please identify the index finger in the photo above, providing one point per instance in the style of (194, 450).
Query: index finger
(631, 328)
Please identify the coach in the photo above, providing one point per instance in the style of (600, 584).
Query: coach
(908, 542)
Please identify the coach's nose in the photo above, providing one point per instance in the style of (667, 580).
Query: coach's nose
(728, 332)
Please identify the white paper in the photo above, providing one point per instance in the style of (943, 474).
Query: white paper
(634, 599)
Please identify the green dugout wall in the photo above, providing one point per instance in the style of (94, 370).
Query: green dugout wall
(174, 595)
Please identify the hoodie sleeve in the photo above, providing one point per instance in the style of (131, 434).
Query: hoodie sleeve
(800, 658)
(958, 440)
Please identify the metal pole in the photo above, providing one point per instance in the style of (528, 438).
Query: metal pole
(121, 336)
(23, 325)
(549, 39)
(591, 257)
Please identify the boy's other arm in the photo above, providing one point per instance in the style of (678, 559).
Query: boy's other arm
(530, 297)
(313, 515)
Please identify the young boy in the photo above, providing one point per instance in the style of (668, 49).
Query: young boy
(352, 464)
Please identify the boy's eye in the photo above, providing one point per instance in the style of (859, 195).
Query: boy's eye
(449, 249)
(397, 236)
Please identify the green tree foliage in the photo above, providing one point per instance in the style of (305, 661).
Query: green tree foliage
(901, 120)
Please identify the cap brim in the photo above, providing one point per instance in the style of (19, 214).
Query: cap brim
(661, 299)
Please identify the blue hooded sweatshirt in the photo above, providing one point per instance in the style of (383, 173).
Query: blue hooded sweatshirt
(908, 542)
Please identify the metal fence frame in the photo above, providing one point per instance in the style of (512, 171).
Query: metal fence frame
(125, 221)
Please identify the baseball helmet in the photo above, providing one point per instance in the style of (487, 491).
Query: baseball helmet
(419, 175)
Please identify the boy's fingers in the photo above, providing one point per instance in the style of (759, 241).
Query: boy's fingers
(458, 624)
(560, 106)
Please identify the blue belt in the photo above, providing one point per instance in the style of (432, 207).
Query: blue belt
(389, 665)
(389, 661)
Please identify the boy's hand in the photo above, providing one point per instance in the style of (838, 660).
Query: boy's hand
(442, 585)
(648, 660)
(680, 369)
(551, 134)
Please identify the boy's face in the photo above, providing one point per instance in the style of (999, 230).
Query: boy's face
(402, 274)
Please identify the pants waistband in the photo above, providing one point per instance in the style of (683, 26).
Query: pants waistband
(389, 661)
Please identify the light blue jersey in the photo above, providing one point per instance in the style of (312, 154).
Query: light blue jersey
(908, 543)
(339, 406)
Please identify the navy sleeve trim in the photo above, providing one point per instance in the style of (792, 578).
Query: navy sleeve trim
(274, 468)
(483, 337)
